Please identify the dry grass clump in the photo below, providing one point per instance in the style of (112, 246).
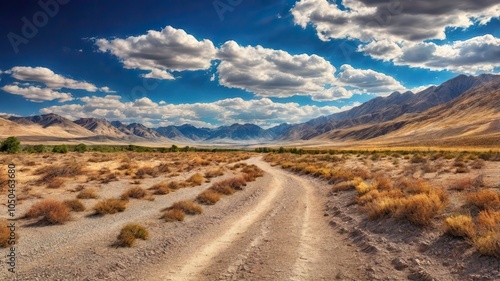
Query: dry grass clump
(110, 206)
(196, 179)
(223, 188)
(209, 197)
(341, 175)
(383, 183)
(174, 185)
(49, 173)
(343, 186)
(173, 215)
(460, 226)
(133, 192)
(214, 173)
(188, 207)
(488, 220)
(251, 173)
(488, 244)
(484, 199)
(411, 200)
(55, 183)
(362, 187)
(74, 205)
(146, 171)
(131, 232)
(88, 193)
(477, 164)
(461, 184)
(51, 211)
(160, 188)
(163, 168)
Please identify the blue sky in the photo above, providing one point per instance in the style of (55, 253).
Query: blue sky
(212, 63)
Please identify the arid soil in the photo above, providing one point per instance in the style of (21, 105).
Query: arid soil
(280, 227)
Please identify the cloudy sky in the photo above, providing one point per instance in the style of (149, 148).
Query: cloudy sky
(218, 62)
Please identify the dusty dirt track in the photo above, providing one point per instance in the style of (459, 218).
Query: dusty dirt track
(277, 228)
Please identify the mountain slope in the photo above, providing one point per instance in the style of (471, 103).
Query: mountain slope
(52, 124)
(383, 109)
(143, 131)
(100, 127)
(473, 118)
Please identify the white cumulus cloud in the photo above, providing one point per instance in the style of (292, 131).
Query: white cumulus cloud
(37, 94)
(161, 52)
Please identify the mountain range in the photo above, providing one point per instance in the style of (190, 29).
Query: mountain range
(464, 110)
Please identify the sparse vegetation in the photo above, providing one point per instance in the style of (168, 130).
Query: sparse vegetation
(188, 207)
(209, 197)
(110, 206)
(5, 234)
(51, 211)
(89, 193)
(74, 205)
(460, 226)
(133, 192)
(131, 232)
(173, 215)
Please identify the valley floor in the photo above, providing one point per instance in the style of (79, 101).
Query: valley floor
(281, 227)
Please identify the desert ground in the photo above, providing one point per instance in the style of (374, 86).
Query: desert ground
(330, 215)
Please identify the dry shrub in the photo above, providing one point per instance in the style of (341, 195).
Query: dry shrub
(160, 188)
(188, 207)
(477, 164)
(89, 193)
(362, 187)
(209, 197)
(460, 226)
(343, 186)
(362, 172)
(429, 168)
(484, 199)
(222, 188)
(55, 183)
(196, 179)
(488, 244)
(54, 171)
(383, 183)
(173, 215)
(214, 173)
(131, 232)
(74, 205)
(51, 211)
(144, 171)
(163, 168)
(382, 206)
(174, 185)
(461, 170)
(413, 186)
(488, 220)
(341, 175)
(110, 206)
(420, 209)
(462, 184)
(251, 172)
(133, 192)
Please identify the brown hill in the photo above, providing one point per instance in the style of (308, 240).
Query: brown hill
(473, 118)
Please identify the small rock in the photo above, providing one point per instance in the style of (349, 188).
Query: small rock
(399, 263)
